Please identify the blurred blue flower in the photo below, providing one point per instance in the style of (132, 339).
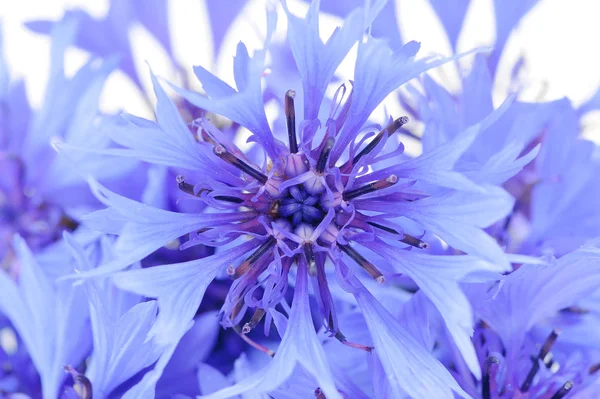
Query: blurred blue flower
(507, 15)
(109, 37)
(51, 319)
(42, 194)
(528, 343)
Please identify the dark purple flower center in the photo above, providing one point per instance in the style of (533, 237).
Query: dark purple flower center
(301, 207)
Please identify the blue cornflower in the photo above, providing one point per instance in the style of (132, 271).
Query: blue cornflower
(520, 343)
(41, 194)
(534, 151)
(330, 196)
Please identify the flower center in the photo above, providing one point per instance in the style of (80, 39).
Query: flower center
(301, 207)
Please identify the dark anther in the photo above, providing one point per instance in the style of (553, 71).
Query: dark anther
(384, 228)
(81, 383)
(390, 129)
(536, 364)
(563, 391)
(290, 118)
(362, 262)
(414, 241)
(319, 394)
(406, 238)
(69, 223)
(229, 198)
(256, 255)
(324, 155)
(184, 186)
(228, 157)
(491, 365)
(309, 255)
(256, 318)
(370, 187)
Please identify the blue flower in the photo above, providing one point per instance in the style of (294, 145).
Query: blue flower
(109, 37)
(41, 194)
(120, 323)
(328, 196)
(528, 311)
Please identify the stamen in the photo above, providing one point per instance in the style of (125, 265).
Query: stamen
(183, 186)
(322, 162)
(340, 337)
(229, 198)
(370, 187)
(69, 223)
(228, 157)
(414, 241)
(290, 118)
(362, 262)
(319, 394)
(384, 228)
(407, 239)
(491, 366)
(536, 364)
(253, 343)
(189, 189)
(309, 255)
(256, 318)
(81, 384)
(252, 259)
(563, 391)
(390, 129)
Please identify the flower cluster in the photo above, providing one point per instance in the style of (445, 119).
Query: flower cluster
(283, 241)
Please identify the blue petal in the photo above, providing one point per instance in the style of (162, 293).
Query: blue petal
(110, 36)
(438, 165)
(385, 24)
(51, 319)
(202, 337)
(61, 94)
(378, 72)
(459, 218)
(178, 288)
(222, 15)
(439, 278)
(244, 106)
(145, 389)
(569, 182)
(535, 292)
(508, 14)
(4, 77)
(476, 97)
(452, 15)
(210, 379)
(121, 348)
(299, 345)
(409, 367)
(317, 61)
(142, 229)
